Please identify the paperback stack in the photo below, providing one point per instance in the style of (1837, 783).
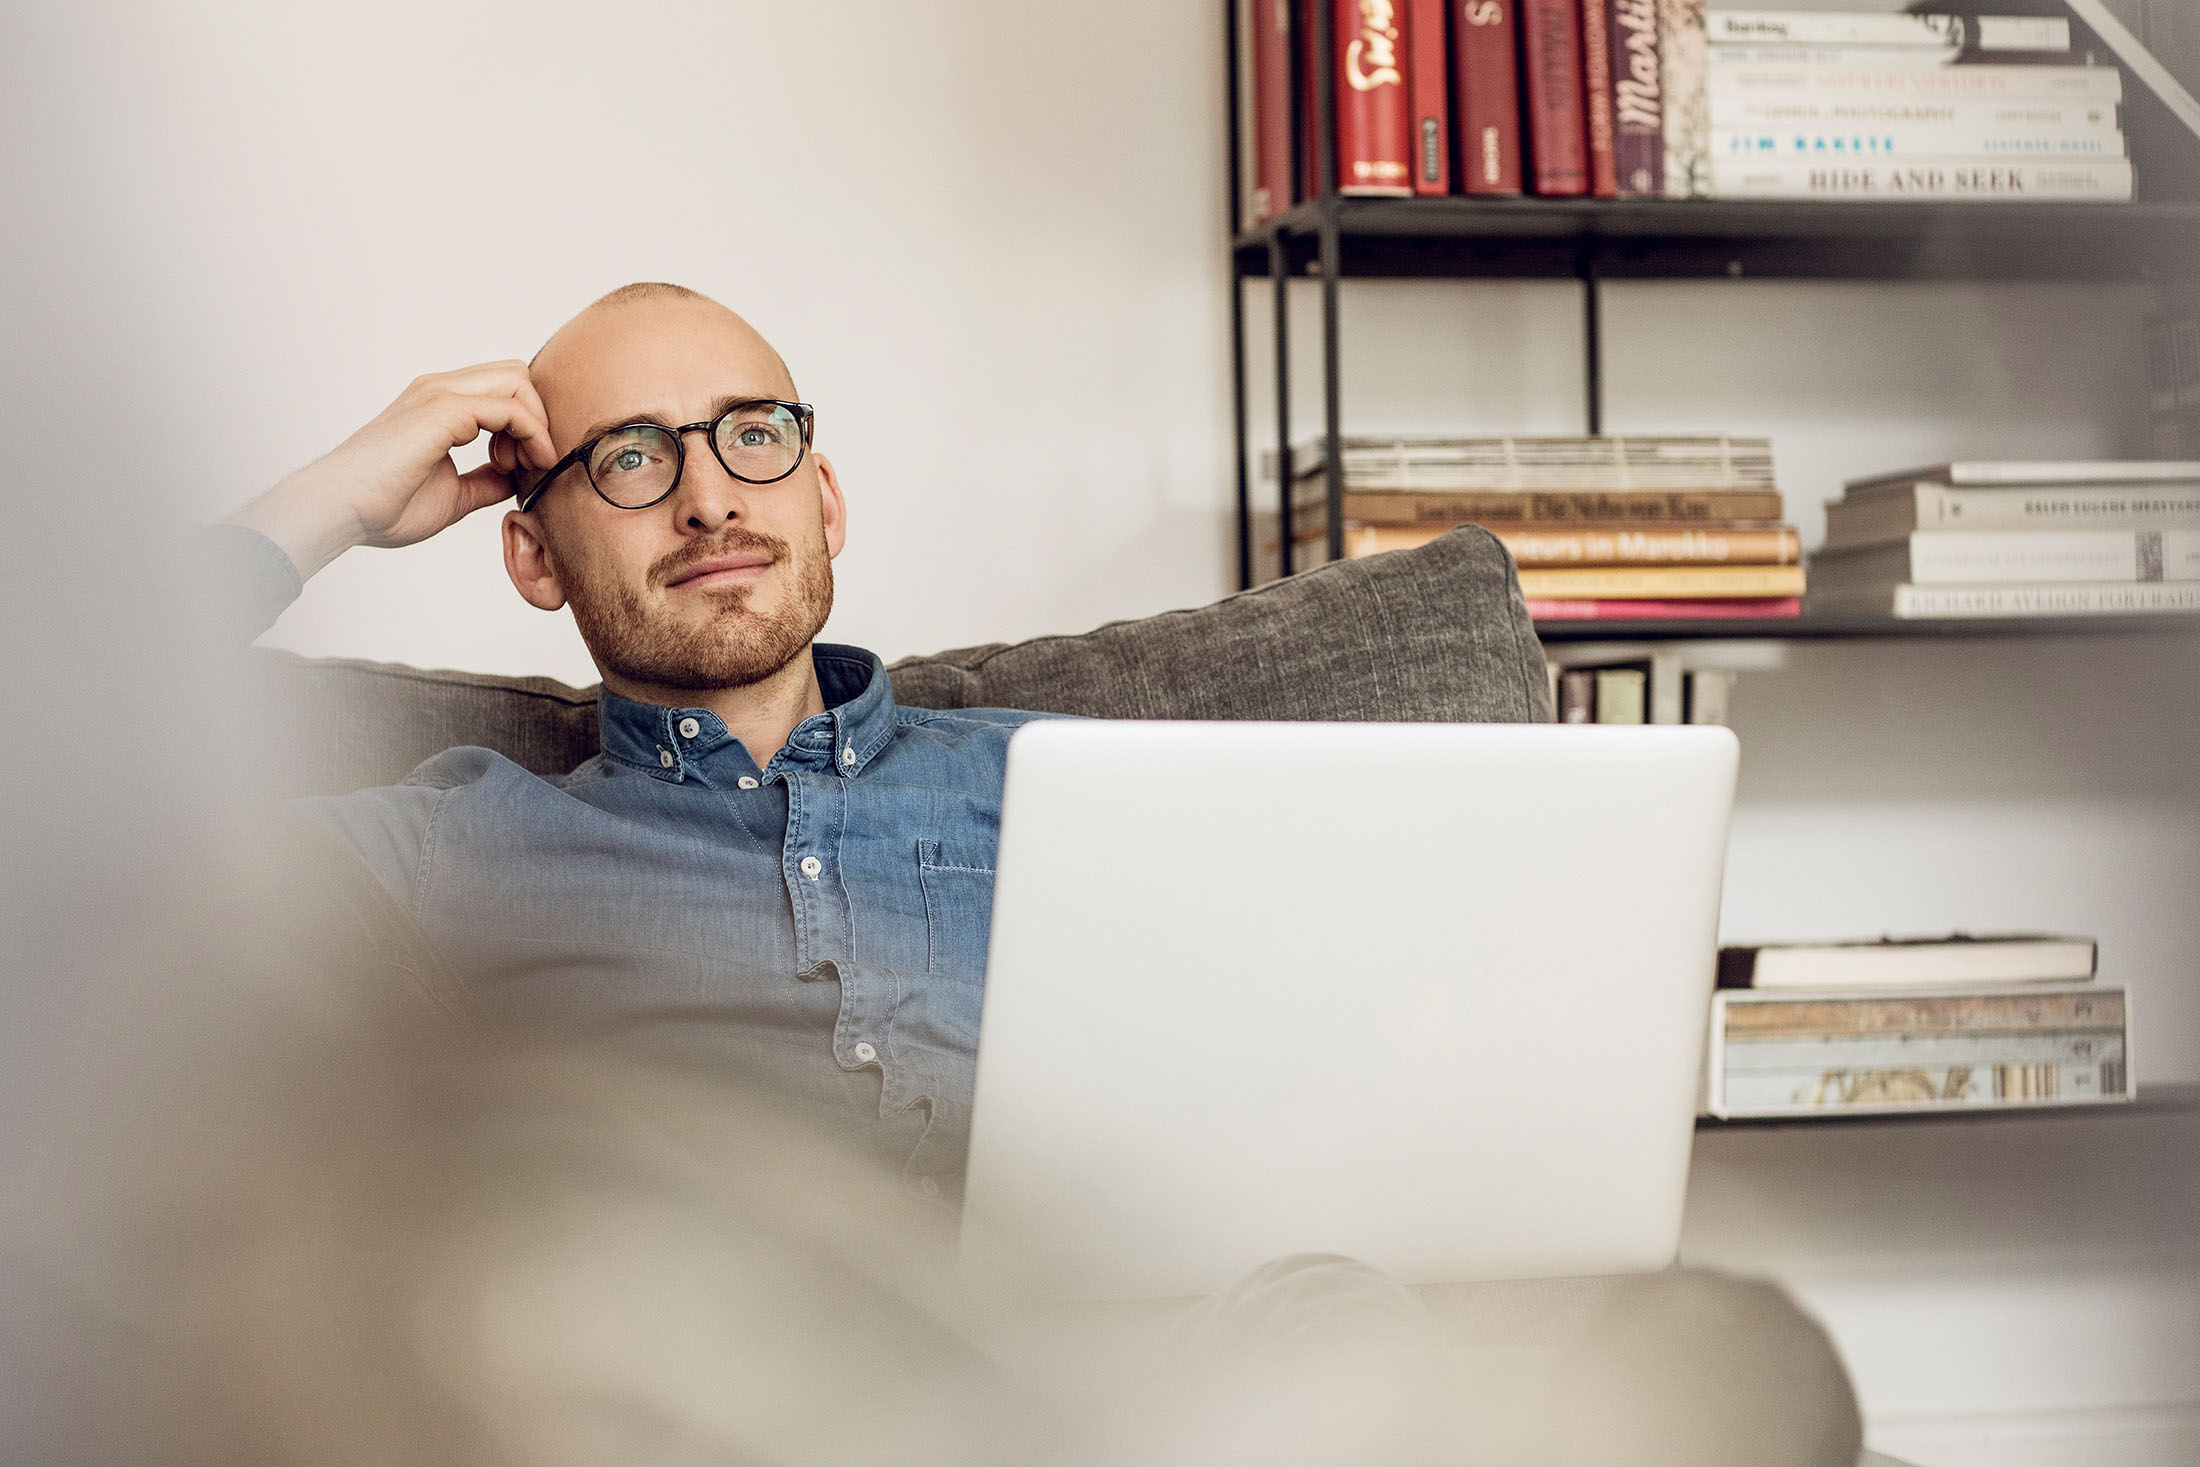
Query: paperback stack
(1653, 689)
(2013, 540)
(1601, 528)
(1914, 1026)
(1839, 105)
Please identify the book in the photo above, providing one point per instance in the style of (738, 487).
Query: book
(1738, 608)
(1956, 180)
(1685, 64)
(1906, 602)
(1556, 506)
(1982, 473)
(2067, 84)
(1727, 58)
(1374, 114)
(1910, 962)
(1577, 696)
(1912, 140)
(1893, 512)
(1638, 100)
(2011, 557)
(1485, 78)
(1604, 544)
(1596, 97)
(1710, 582)
(1890, 111)
(1620, 694)
(1270, 43)
(1431, 462)
(1551, 108)
(1429, 92)
(1862, 28)
(1785, 1054)
(1708, 696)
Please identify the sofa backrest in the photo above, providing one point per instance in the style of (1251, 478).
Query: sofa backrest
(1435, 634)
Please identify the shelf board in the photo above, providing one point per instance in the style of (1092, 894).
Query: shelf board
(2152, 1100)
(1650, 239)
(1829, 629)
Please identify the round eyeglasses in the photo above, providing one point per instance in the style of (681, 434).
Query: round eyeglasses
(639, 464)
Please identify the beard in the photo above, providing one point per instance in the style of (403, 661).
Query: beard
(735, 646)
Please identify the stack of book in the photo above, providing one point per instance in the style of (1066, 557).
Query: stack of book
(1601, 528)
(1836, 105)
(2013, 540)
(1652, 689)
(1920, 1025)
(1669, 99)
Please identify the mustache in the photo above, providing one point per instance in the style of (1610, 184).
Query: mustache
(735, 541)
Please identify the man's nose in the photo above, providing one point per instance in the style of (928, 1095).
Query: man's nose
(708, 498)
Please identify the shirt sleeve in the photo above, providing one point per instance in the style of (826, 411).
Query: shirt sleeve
(249, 580)
(389, 826)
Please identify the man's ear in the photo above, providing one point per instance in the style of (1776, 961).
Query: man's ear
(834, 505)
(527, 562)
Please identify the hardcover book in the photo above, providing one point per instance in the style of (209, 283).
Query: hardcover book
(1911, 140)
(1562, 506)
(1638, 100)
(1950, 180)
(1271, 131)
(1976, 473)
(1653, 582)
(1596, 97)
(1550, 70)
(1374, 113)
(1684, 57)
(1910, 962)
(1533, 548)
(1977, 117)
(1486, 75)
(1430, 93)
(2063, 84)
(1893, 512)
(1982, 33)
(2070, 598)
(2012, 557)
(1547, 608)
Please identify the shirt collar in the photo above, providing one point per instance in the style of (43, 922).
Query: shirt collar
(692, 746)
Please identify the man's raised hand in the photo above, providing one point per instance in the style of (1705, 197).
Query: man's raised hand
(393, 482)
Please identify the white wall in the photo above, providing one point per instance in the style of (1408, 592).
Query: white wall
(988, 238)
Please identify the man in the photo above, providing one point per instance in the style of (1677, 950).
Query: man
(771, 867)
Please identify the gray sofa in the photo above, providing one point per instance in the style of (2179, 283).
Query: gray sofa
(1436, 634)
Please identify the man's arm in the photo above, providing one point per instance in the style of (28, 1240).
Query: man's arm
(393, 483)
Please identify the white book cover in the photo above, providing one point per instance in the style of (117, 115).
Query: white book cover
(1860, 28)
(1726, 58)
(1977, 473)
(1918, 962)
(1890, 111)
(1968, 83)
(1938, 180)
(1959, 603)
(1914, 140)
(2013, 557)
(1894, 511)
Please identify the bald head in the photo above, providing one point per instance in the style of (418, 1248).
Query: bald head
(640, 335)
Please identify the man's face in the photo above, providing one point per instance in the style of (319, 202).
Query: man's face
(723, 583)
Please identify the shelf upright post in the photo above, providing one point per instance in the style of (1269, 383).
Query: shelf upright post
(1332, 251)
(1592, 338)
(1279, 275)
(1237, 295)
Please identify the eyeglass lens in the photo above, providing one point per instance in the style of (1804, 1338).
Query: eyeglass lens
(635, 466)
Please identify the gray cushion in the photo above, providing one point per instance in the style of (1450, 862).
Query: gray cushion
(1436, 634)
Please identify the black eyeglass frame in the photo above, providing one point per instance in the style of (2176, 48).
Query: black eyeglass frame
(804, 415)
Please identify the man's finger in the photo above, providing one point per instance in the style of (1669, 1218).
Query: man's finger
(478, 380)
(482, 487)
(507, 415)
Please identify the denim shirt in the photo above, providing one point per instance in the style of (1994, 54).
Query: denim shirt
(815, 928)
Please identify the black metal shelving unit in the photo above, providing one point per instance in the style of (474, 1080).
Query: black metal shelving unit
(1333, 238)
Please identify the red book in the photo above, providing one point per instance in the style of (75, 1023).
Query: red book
(1374, 113)
(1550, 72)
(1486, 74)
(1596, 97)
(1429, 61)
(1767, 609)
(1270, 22)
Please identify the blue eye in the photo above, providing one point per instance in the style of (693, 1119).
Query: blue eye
(627, 460)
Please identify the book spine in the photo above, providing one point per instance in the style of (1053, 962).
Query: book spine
(1955, 180)
(1627, 546)
(1651, 582)
(1836, 144)
(1956, 557)
(2064, 84)
(1987, 1078)
(1516, 506)
(1486, 66)
(2068, 599)
(1766, 608)
(1558, 148)
(1761, 1015)
(1429, 56)
(1709, 701)
(1620, 693)
(1807, 112)
(1270, 22)
(1684, 60)
(1668, 692)
(1577, 696)
(1934, 507)
(1374, 113)
(1596, 97)
(1638, 100)
(1728, 58)
(1845, 28)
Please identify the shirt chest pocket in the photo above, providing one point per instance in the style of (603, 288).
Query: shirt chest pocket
(958, 906)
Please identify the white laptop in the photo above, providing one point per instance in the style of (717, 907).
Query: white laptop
(1428, 995)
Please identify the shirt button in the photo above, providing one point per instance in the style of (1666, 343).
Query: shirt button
(811, 865)
(664, 757)
(689, 728)
(746, 782)
(848, 755)
(865, 1053)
